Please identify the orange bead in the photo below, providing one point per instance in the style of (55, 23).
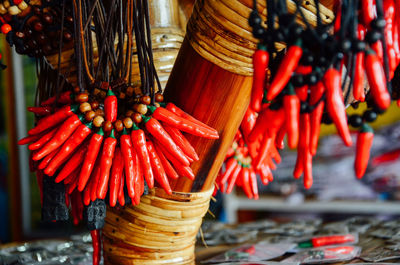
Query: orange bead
(5, 28)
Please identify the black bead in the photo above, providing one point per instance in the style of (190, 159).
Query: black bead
(312, 78)
(304, 107)
(370, 116)
(326, 119)
(345, 46)
(296, 31)
(358, 46)
(355, 120)
(373, 36)
(280, 35)
(286, 19)
(258, 32)
(322, 60)
(254, 19)
(378, 23)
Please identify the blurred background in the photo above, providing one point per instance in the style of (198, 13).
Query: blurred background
(336, 192)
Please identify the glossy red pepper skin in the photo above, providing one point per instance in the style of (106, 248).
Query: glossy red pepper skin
(377, 80)
(158, 168)
(117, 170)
(316, 93)
(254, 186)
(260, 64)
(30, 139)
(363, 147)
(377, 47)
(389, 15)
(53, 119)
(43, 139)
(128, 156)
(64, 98)
(46, 160)
(138, 182)
(88, 188)
(80, 134)
(233, 178)
(168, 117)
(229, 167)
(285, 70)
(181, 141)
(169, 169)
(182, 170)
(396, 43)
(338, 18)
(106, 159)
(139, 143)
(171, 107)
(291, 104)
(62, 134)
(367, 12)
(111, 106)
(246, 185)
(264, 151)
(265, 174)
(279, 140)
(248, 122)
(303, 147)
(358, 82)
(96, 178)
(332, 240)
(158, 132)
(302, 91)
(121, 194)
(40, 111)
(74, 162)
(335, 104)
(269, 121)
(90, 158)
(96, 243)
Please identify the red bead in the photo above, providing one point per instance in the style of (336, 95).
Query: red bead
(17, 2)
(5, 28)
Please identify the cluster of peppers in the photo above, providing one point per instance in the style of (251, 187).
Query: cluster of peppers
(79, 140)
(310, 83)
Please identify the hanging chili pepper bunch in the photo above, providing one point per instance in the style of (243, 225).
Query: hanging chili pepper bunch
(110, 138)
(310, 83)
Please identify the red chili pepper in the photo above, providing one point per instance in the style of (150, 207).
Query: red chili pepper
(377, 80)
(335, 104)
(396, 43)
(181, 141)
(253, 180)
(358, 82)
(279, 140)
(138, 181)
(72, 164)
(43, 139)
(88, 188)
(106, 159)
(158, 168)
(155, 129)
(46, 160)
(169, 170)
(41, 111)
(116, 175)
(285, 70)
(52, 120)
(389, 15)
(377, 47)
(62, 134)
(368, 10)
(96, 178)
(111, 106)
(229, 168)
(166, 116)
(182, 170)
(121, 193)
(171, 107)
(363, 147)
(139, 143)
(338, 18)
(317, 92)
(245, 177)
(233, 177)
(30, 139)
(64, 98)
(260, 64)
(90, 158)
(269, 121)
(68, 147)
(331, 240)
(248, 122)
(74, 183)
(291, 104)
(263, 153)
(128, 156)
(95, 234)
(302, 91)
(72, 176)
(265, 174)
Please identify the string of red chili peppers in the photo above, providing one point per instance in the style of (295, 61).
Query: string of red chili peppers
(296, 90)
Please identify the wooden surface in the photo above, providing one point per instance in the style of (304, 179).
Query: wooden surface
(215, 96)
